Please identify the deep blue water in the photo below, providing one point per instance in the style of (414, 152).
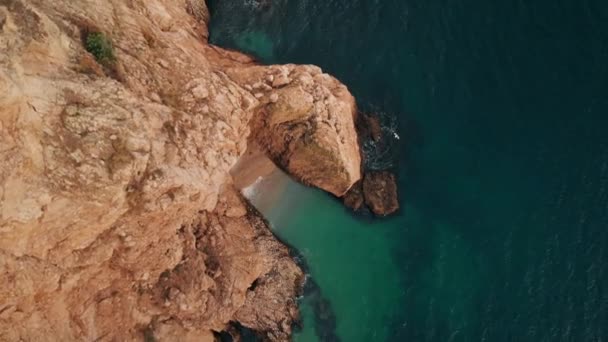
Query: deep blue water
(502, 110)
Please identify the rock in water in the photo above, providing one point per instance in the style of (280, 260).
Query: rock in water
(369, 127)
(354, 198)
(380, 191)
(375, 128)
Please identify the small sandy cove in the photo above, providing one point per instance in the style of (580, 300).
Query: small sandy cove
(258, 178)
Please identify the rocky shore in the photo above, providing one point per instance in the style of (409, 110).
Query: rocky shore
(377, 190)
(119, 218)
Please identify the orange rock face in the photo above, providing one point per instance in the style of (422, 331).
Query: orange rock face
(118, 220)
(305, 123)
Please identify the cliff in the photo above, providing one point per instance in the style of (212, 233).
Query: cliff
(305, 124)
(118, 217)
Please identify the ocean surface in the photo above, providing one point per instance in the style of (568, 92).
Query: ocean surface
(497, 118)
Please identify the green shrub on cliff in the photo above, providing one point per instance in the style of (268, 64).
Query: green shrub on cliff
(100, 46)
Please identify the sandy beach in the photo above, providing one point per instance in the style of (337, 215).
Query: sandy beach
(258, 178)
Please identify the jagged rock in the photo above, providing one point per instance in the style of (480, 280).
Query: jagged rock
(280, 81)
(354, 198)
(368, 127)
(309, 130)
(380, 191)
(114, 181)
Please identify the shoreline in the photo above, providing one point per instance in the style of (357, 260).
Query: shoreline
(258, 179)
(143, 204)
(263, 185)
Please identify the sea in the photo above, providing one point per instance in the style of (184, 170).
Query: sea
(495, 120)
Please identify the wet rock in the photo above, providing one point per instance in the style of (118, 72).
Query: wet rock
(324, 314)
(368, 127)
(380, 192)
(354, 198)
(375, 129)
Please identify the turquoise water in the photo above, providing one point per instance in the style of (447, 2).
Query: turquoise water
(502, 110)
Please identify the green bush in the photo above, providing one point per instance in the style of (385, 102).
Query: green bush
(100, 47)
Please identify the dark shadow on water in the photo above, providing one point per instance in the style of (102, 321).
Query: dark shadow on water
(325, 317)
(324, 314)
(237, 332)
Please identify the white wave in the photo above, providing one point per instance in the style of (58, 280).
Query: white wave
(251, 191)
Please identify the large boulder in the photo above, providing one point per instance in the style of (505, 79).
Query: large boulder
(380, 192)
(305, 124)
(369, 127)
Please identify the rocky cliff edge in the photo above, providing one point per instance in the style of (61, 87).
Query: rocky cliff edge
(118, 218)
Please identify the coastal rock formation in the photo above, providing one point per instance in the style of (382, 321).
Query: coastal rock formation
(305, 123)
(380, 192)
(118, 219)
(378, 189)
(354, 198)
(368, 127)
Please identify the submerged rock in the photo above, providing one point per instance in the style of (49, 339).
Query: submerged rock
(369, 127)
(307, 126)
(378, 189)
(380, 192)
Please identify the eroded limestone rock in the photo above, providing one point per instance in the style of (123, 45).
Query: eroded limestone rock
(306, 124)
(117, 217)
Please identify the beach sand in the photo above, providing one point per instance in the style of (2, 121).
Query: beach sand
(258, 178)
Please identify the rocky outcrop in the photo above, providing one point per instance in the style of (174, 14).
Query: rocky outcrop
(368, 127)
(380, 192)
(354, 198)
(118, 220)
(378, 189)
(159, 281)
(305, 123)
